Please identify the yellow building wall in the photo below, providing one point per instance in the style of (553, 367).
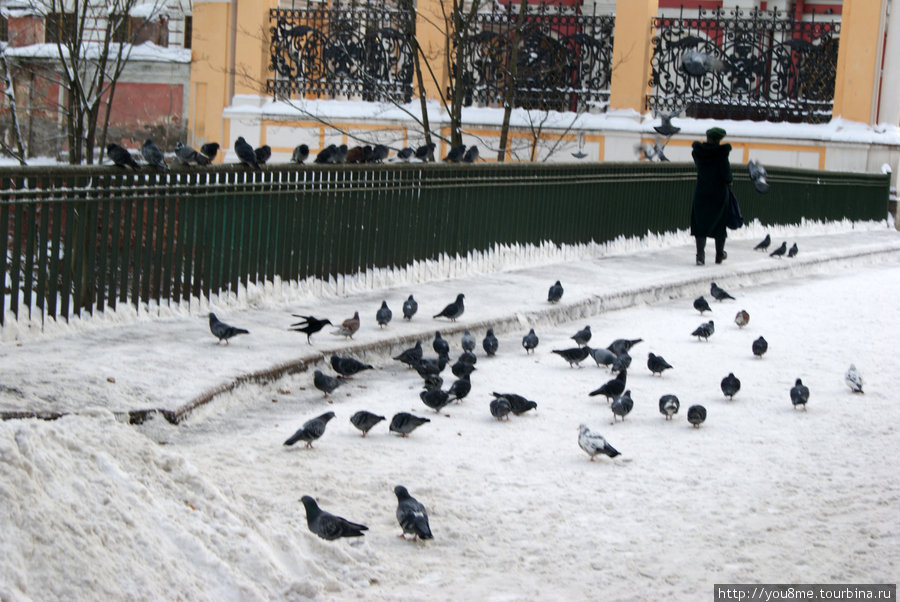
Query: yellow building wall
(857, 66)
(632, 51)
(210, 55)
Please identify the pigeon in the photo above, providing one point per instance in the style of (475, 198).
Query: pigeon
(701, 305)
(603, 357)
(327, 525)
(517, 404)
(758, 176)
(763, 245)
(410, 307)
(311, 430)
(380, 152)
(658, 151)
(573, 355)
(742, 318)
(460, 369)
(456, 154)
(209, 151)
(339, 155)
(425, 152)
(223, 331)
(383, 315)
(300, 154)
(357, 154)
(348, 327)
(760, 346)
(622, 405)
(731, 384)
(364, 421)
(620, 346)
(530, 341)
(668, 406)
(325, 383)
(460, 388)
(698, 63)
(435, 399)
(245, 153)
(468, 357)
(405, 154)
(657, 364)
(404, 423)
(411, 356)
(430, 367)
(718, 293)
(792, 252)
(500, 408)
(555, 293)
(310, 325)
(490, 344)
(645, 152)
(453, 310)
(696, 415)
(263, 154)
(185, 154)
(468, 341)
(612, 388)
(327, 154)
(471, 154)
(854, 379)
(432, 381)
(780, 251)
(411, 515)
(582, 337)
(704, 331)
(666, 128)
(153, 156)
(348, 366)
(121, 157)
(594, 444)
(799, 394)
(622, 362)
(440, 344)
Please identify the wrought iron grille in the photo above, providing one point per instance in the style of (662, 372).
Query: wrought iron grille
(564, 58)
(345, 50)
(757, 65)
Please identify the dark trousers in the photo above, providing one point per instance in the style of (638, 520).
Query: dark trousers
(701, 249)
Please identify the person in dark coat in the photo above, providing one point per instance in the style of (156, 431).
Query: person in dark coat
(709, 210)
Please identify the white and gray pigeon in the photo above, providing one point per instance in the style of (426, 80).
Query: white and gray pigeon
(327, 525)
(383, 315)
(153, 156)
(500, 408)
(186, 154)
(410, 307)
(311, 430)
(490, 344)
(603, 357)
(622, 405)
(696, 415)
(699, 63)
(530, 341)
(594, 444)
(468, 341)
(583, 336)
(799, 394)
(223, 331)
(668, 406)
(411, 515)
(665, 128)
(453, 310)
(854, 379)
(300, 154)
(555, 293)
(704, 331)
(325, 383)
(758, 176)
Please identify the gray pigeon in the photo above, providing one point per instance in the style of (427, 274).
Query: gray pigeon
(704, 331)
(411, 515)
(223, 331)
(403, 423)
(245, 153)
(348, 366)
(327, 154)
(758, 176)
(718, 293)
(612, 388)
(854, 379)
(603, 357)
(622, 405)
(555, 293)
(461, 368)
(325, 383)
(460, 388)
(405, 154)
(468, 357)
(471, 154)
(153, 156)
(731, 384)
(435, 399)
(263, 154)
(410, 307)
(300, 154)
(530, 341)
(364, 421)
(380, 152)
(311, 430)
(490, 344)
(622, 362)
(573, 355)
(698, 63)
(328, 526)
(456, 154)
(763, 245)
(701, 305)
(425, 153)
(453, 310)
(792, 252)
(760, 346)
(185, 154)
(411, 356)
(594, 444)
(780, 251)
(799, 394)
(696, 415)
(432, 382)
(208, 152)
(383, 315)
(665, 128)
(440, 344)
(500, 408)
(583, 336)
(121, 157)
(657, 364)
(468, 341)
(668, 406)
(620, 346)
(517, 403)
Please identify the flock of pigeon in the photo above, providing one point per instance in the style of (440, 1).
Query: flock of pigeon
(254, 158)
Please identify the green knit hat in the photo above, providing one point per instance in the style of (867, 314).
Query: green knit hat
(715, 133)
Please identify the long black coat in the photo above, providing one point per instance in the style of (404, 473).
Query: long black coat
(709, 208)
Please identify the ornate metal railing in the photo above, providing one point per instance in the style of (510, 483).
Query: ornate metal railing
(736, 64)
(345, 50)
(564, 57)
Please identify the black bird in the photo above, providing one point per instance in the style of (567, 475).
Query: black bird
(245, 153)
(311, 430)
(780, 251)
(701, 305)
(668, 406)
(425, 152)
(490, 344)
(530, 341)
(468, 357)
(383, 315)
(456, 154)
(411, 356)
(792, 252)
(440, 344)
(404, 423)
(208, 152)
(185, 154)
(666, 128)
(460, 388)
(573, 355)
(622, 405)
(720, 294)
(799, 394)
(657, 364)
(339, 155)
(121, 157)
(411, 515)
(612, 388)
(153, 156)
(704, 331)
(517, 403)
(325, 383)
(435, 399)
(760, 346)
(300, 154)
(731, 384)
(620, 346)
(594, 444)
(758, 176)
(327, 525)
(326, 154)
(410, 307)
(405, 154)
(380, 152)
(263, 154)
(364, 421)
(583, 336)
(432, 381)
(310, 325)
(698, 63)
(430, 366)
(348, 366)
(500, 408)
(453, 310)
(471, 154)
(763, 245)
(622, 362)
(460, 369)
(555, 293)
(603, 357)
(467, 341)
(223, 331)
(696, 415)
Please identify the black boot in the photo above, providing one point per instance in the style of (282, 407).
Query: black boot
(701, 249)
(721, 255)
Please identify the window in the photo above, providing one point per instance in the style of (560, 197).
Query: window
(188, 30)
(4, 29)
(59, 27)
(120, 28)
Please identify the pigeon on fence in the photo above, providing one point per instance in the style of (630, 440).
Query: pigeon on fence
(208, 153)
(263, 154)
(245, 153)
(300, 154)
(153, 156)
(121, 157)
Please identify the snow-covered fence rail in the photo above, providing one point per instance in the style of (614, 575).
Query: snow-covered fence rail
(89, 238)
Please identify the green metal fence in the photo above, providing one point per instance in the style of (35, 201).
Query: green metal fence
(89, 238)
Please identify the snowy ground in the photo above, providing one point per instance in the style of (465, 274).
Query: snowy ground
(209, 509)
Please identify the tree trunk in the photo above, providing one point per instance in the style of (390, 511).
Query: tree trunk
(512, 74)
